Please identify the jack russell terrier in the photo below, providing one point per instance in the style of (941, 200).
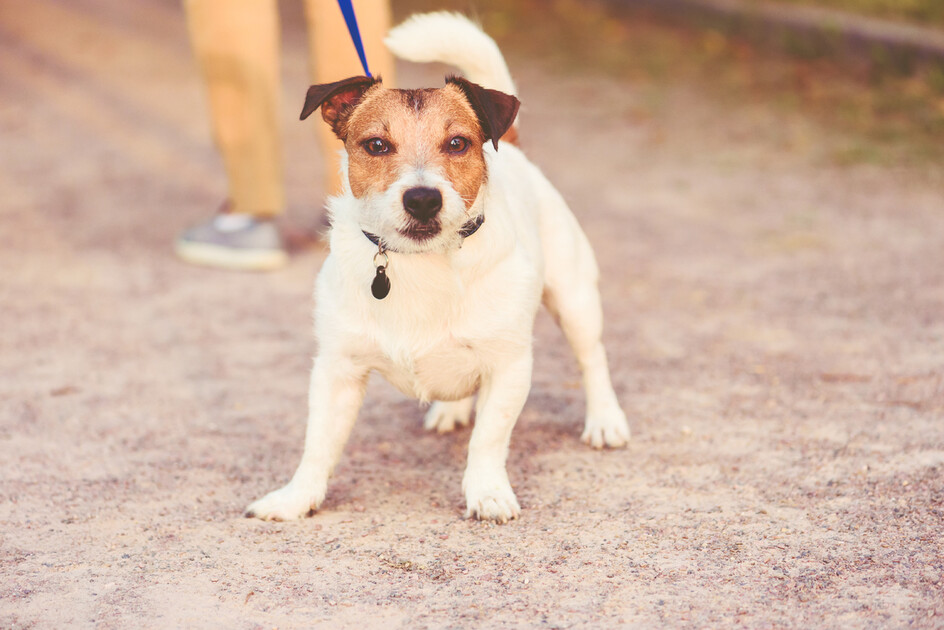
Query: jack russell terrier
(444, 242)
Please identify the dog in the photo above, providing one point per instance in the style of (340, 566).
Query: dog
(443, 244)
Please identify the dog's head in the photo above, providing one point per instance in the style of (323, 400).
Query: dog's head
(415, 158)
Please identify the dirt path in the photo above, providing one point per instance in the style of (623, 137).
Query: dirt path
(774, 324)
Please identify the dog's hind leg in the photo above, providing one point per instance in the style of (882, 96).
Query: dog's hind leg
(572, 297)
(443, 416)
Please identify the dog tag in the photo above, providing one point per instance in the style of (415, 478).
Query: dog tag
(380, 287)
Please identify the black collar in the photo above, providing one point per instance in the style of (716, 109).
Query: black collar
(467, 230)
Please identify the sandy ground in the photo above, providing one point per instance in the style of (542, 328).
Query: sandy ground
(774, 324)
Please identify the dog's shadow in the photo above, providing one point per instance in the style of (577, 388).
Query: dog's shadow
(391, 457)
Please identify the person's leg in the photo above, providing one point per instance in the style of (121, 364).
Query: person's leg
(236, 45)
(333, 57)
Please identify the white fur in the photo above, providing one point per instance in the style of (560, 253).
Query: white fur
(454, 39)
(459, 317)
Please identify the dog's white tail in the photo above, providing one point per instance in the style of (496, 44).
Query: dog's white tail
(454, 39)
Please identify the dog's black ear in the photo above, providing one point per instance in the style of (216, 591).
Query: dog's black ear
(336, 100)
(496, 110)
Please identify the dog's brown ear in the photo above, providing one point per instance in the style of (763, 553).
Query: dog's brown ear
(496, 110)
(336, 100)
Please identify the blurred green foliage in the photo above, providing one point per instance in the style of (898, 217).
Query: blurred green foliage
(927, 12)
(890, 110)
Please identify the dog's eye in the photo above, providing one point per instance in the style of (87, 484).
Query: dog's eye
(457, 145)
(377, 146)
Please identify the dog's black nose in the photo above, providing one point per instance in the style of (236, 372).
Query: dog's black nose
(422, 203)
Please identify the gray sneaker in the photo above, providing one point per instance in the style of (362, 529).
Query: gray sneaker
(233, 241)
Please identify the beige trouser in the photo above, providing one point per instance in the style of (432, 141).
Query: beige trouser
(236, 43)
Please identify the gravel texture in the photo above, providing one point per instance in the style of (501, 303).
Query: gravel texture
(775, 324)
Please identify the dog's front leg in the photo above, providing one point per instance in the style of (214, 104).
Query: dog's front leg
(334, 397)
(488, 493)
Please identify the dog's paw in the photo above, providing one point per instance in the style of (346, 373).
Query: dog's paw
(286, 504)
(490, 498)
(443, 417)
(606, 429)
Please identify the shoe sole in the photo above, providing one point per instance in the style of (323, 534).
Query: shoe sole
(228, 258)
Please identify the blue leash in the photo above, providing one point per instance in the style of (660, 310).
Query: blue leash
(347, 9)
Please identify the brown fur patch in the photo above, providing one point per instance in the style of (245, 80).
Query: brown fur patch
(417, 125)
